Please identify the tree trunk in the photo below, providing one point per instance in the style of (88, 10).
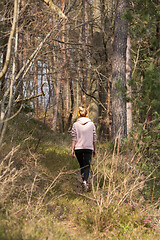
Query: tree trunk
(72, 105)
(19, 82)
(36, 105)
(119, 123)
(5, 112)
(3, 78)
(101, 60)
(57, 95)
(21, 47)
(9, 46)
(84, 42)
(71, 80)
(129, 89)
(64, 81)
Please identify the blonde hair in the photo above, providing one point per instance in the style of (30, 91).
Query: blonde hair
(82, 112)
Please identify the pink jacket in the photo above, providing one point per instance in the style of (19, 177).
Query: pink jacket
(84, 133)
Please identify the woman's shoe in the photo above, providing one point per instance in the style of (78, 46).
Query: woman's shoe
(85, 186)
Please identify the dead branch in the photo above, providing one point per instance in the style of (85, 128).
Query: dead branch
(32, 97)
(89, 95)
(8, 119)
(55, 9)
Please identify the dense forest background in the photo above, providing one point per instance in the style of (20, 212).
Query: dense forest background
(58, 55)
(54, 53)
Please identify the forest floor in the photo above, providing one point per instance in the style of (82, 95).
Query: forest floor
(41, 195)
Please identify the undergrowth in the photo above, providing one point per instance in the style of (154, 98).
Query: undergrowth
(41, 196)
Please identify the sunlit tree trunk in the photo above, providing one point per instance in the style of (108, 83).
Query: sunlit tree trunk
(56, 103)
(64, 81)
(9, 45)
(41, 102)
(71, 80)
(4, 58)
(28, 43)
(36, 105)
(19, 83)
(6, 110)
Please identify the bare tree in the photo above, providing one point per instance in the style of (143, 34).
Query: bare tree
(15, 78)
(8, 54)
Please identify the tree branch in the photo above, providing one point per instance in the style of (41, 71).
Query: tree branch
(71, 7)
(29, 98)
(8, 119)
(55, 9)
(89, 95)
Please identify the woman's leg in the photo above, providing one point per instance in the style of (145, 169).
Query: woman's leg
(87, 162)
(80, 157)
(84, 157)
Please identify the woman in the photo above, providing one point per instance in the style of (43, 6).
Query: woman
(84, 143)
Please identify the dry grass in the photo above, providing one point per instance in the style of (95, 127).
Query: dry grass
(41, 199)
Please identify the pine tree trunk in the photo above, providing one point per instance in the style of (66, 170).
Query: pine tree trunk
(19, 82)
(119, 123)
(129, 89)
(102, 56)
(36, 105)
(84, 42)
(2, 90)
(64, 85)
(57, 98)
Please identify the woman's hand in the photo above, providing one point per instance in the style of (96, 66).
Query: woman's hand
(73, 147)
(94, 149)
(94, 153)
(72, 154)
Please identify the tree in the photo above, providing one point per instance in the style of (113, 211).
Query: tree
(119, 124)
(15, 75)
(129, 88)
(75, 49)
(101, 60)
(9, 46)
(6, 110)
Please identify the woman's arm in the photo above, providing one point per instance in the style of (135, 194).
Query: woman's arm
(94, 141)
(73, 147)
(94, 149)
(74, 138)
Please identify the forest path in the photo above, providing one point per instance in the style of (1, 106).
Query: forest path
(57, 159)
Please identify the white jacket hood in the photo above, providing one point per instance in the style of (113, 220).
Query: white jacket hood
(83, 120)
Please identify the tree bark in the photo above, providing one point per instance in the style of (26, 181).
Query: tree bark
(119, 117)
(56, 105)
(129, 89)
(5, 112)
(101, 61)
(84, 42)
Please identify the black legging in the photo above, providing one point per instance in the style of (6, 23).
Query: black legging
(84, 157)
